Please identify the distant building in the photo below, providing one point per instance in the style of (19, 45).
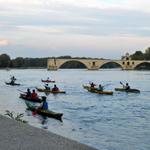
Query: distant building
(126, 57)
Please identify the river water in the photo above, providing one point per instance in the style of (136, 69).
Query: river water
(118, 122)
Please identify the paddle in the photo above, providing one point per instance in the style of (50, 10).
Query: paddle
(104, 86)
(21, 91)
(124, 86)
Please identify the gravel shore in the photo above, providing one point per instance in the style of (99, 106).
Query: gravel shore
(18, 136)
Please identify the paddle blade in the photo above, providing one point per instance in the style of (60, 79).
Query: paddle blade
(121, 83)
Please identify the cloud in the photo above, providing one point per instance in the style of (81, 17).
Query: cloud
(3, 42)
(75, 25)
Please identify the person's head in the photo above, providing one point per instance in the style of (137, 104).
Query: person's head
(28, 90)
(54, 85)
(127, 84)
(44, 98)
(33, 91)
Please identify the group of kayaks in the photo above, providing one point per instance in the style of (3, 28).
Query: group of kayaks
(34, 108)
(96, 90)
(56, 115)
(44, 81)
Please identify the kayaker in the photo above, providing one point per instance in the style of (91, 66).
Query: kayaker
(55, 88)
(127, 87)
(47, 87)
(13, 79)
(92, 85)
(28, 93)
(100, 87)
(34, 95)
(44, 104)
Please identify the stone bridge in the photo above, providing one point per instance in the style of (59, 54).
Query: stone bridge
(94, 64)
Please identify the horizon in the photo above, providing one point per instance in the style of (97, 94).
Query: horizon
(79, 28)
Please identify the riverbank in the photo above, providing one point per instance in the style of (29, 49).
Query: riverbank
(18, 136)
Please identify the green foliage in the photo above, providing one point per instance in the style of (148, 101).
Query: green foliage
(138, 55)
(16, 117)
(4, 61)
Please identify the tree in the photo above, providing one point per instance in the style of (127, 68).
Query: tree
(4, 60)
(18, 62)
(138, 55)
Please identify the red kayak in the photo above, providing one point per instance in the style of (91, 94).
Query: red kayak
(23, 96)
(48, 81)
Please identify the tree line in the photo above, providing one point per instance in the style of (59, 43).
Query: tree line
(20, 62)
(139, 55)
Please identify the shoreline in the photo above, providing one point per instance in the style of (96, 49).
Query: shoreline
(19, 136)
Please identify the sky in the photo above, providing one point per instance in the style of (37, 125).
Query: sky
(83, 28)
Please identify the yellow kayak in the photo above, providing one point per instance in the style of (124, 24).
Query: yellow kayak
(95, 90)
(50, 91)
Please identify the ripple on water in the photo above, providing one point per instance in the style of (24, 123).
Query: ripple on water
(118, 122)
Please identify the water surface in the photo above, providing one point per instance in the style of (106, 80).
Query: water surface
(118, 122)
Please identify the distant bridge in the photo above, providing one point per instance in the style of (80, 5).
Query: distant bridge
(94, 64)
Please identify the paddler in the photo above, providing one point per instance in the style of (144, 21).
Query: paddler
(100, 87)
(13, 79)
(127, 87)
(28, 93)
(55, 88)
(92, 85)
(47, 87)
(34, 95)
(44, 104)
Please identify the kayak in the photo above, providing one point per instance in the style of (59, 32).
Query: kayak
(48, 81)
(9, 83)
(129, 90)
(24, 97)
(43, 112)
(95, 90)
(50, 91)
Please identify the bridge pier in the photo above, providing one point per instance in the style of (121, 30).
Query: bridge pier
(51, 64)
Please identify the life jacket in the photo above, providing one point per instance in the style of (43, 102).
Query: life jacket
(34, 96)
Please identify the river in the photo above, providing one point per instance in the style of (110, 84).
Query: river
(117, 122)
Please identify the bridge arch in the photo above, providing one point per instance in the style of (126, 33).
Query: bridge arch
(112, 62)
(73, 64)
(82, 63)
(142, 66)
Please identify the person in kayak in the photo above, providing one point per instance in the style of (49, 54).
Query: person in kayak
(92, 85)
(55, 88)
(34, 95)
(44, 104)
(28, 93)
(47, 87)
(13, 79)
(126, 87)
(100, 88)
